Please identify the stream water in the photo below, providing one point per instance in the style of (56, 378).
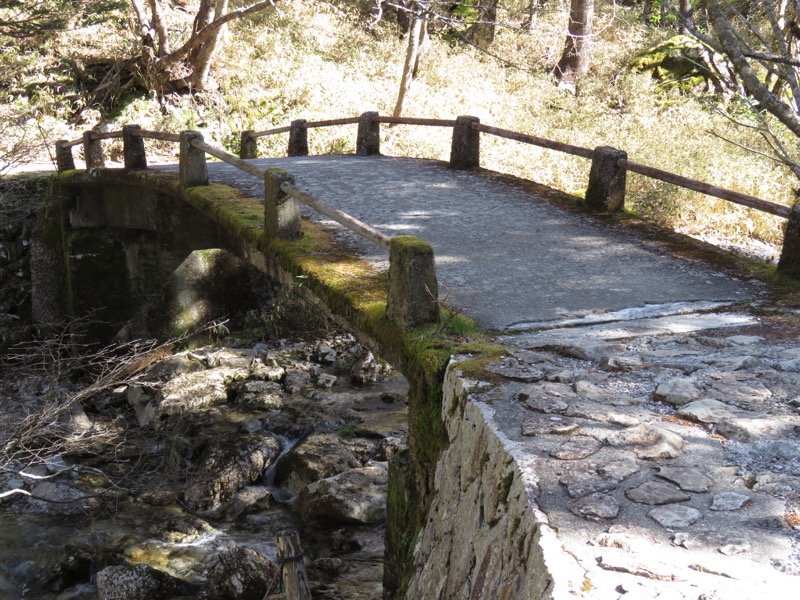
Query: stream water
(46, 555)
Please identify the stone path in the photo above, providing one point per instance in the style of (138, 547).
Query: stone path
(659, 442)
(669, 465)
(504, 256)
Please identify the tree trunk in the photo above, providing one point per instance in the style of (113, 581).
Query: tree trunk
(576, 56)
(160, 27)
(408, 68)
(202, 60)
(482, 33)
(686, 9)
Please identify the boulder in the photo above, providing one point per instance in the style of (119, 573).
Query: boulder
(239, 573)
(356, 496)
(683, 63)
(322, 455)
(141, 582)
(228, 465)
(50, 498)
(196, 391)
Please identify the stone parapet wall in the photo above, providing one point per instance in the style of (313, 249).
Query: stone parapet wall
(484, 536)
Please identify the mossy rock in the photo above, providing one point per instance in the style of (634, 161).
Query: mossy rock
(682, 63)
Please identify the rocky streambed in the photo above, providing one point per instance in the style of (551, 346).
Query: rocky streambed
(176, 483)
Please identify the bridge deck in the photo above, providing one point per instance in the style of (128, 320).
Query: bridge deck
(504, 256)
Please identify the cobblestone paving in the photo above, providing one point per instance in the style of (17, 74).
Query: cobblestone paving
(503, 256)
(668, 464)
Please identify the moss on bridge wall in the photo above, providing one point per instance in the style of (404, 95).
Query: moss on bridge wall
(354, 293)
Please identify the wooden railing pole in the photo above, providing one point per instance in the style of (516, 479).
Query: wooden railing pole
(93, 151)
(133, 148)
(606, 190)
(192, 167)
(368, 139)
(298, 139)
(293, 571)
(465, 151)
(281, 211)
(413, 288)
(789, 263)
(64, 160)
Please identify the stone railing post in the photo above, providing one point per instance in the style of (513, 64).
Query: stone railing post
(192, 167)
(789, 263)
(413, 288)
(281, 211)
(93, 151)
(606, 190)
(368, 139)
(465, 150)
(133, 148)
(248, 147)
(64, 160)
(298, 138)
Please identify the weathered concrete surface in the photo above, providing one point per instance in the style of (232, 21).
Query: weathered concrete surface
(631, 490)
(504, 257)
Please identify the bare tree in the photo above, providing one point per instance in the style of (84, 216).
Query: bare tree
(188, 65)
(416, 39)
(761, 46)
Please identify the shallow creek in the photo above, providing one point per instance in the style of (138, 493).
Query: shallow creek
(132, 498)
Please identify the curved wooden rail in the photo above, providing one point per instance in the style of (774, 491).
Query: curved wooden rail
(535, 141)
(779, 210)
(368, 143)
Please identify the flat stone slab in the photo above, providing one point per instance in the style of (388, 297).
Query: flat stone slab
(669, 496)
(544, 263)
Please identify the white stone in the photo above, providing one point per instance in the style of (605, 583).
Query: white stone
(675, 516)
(729, 501)
(677, 391)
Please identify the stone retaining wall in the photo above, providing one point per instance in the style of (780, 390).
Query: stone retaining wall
(484, 538)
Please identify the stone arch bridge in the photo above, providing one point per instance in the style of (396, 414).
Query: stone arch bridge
(530, 266)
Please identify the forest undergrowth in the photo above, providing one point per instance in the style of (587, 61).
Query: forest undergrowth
(322, 60)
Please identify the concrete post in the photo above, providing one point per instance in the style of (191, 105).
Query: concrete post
(606, 191)
(133, 148)
(789, 263)
(368, 139)
(192, 167)
(298, 138)
(93, 151)
(64, 160)
(248, 147)
(465, 151)
(413, 288)
(281, 212)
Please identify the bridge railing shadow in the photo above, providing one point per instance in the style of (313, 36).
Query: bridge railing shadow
(605, 191)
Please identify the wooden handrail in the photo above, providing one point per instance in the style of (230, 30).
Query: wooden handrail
(258, 134)
(110, 135)
(157, 135)
(772, 208)
(331, 122)
(536, 141)
(416, 121)
(353, 224)
(229, 158)
(752, 202)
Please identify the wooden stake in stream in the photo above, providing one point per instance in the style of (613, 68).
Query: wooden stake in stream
(290, 557)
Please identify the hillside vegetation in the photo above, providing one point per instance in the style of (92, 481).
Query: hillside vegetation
(321, 60)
